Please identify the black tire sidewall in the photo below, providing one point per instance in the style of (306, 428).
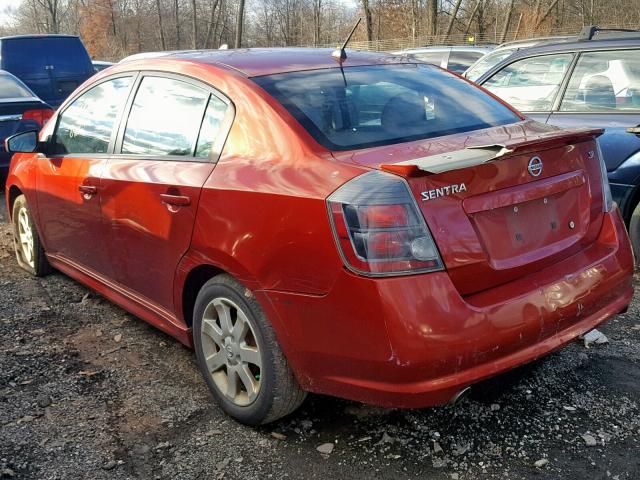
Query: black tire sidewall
(257, 411)
(634, 233)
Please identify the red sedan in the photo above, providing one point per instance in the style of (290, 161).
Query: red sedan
(367, 227)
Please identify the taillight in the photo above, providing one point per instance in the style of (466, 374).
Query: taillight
(379, 229)
(607, 199)
(40, 116)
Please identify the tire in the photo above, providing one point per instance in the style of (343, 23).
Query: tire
(634, 233)
(245, 370)
(28, 247)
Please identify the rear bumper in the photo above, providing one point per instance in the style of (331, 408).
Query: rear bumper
(415, 342)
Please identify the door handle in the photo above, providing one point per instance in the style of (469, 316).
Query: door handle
(634, 130)
(175, 200)
(88, 190)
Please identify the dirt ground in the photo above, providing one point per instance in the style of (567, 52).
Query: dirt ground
(88, 391)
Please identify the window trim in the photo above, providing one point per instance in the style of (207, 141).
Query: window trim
(556, 109)
(52, 138)
(219, 142)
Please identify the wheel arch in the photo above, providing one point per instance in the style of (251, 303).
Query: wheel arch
(193, 282)
(14, 192)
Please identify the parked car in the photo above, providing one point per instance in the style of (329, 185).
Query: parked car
(52, 66)
(372, 228)
(504, 50)
(454, 58)
(593, 82)
(99, 65)
(20, 110)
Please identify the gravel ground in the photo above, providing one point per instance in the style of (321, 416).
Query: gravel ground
(88, 391)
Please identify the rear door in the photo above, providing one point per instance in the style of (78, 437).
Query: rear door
(604, 92)
(166, 148)
(68, 179)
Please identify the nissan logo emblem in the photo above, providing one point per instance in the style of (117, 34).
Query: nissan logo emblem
(535, 166)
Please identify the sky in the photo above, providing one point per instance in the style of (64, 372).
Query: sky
(5, 7)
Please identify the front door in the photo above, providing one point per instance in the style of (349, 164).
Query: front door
(531, 84)
(68, 178)
(167, 148)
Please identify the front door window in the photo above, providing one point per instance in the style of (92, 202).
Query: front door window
(531, 84)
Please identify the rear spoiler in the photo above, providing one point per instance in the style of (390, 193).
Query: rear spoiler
(479, 154)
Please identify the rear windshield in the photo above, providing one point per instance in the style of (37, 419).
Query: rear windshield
(30, 55)
(11, 88)
(383, 104)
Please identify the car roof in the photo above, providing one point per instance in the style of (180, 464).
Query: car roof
(437, 48)
(253, 62)
(578, 46)
(44, 35)
(563, 47)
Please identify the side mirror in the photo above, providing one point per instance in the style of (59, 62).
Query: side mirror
(25, 142)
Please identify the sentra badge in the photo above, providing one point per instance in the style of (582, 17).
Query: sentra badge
(443, 191)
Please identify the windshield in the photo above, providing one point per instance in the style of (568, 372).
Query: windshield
(383, 104)
(12, 88)
(487, 62)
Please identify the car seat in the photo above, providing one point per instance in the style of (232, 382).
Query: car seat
(599, 93)
(404, 115)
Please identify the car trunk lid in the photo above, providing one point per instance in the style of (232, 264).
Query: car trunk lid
(503, 209)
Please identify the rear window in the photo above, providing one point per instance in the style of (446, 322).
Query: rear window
(383, 104)
(11, 88)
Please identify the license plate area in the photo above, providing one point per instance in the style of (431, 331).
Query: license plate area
(549, 220)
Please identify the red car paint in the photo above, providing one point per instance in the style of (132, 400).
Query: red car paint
(260, 214)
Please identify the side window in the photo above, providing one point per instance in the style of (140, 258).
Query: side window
(165, 118)
(213, 117)
(531, 84)
(434, 58)
(604, 81)
(459, 61)
(85, 126)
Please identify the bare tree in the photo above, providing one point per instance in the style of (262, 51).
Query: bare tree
(239, 19)
(368, 19)
(163, 43)
(452, 19)
(177, 17)
(317, 21)
(194, 25)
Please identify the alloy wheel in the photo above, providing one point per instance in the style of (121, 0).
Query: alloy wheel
(25, 237)
(231, 351)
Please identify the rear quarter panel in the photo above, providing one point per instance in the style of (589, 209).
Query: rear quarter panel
(262, 214)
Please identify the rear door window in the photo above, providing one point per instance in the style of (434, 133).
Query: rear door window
(434, 58)
(211, 126)
(459, 61)
(165, 118)
(86, 125)
(604, 82)
(531, 84)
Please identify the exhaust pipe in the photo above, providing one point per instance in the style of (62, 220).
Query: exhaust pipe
(458, 397)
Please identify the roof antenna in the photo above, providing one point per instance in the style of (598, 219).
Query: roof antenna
(340, 54)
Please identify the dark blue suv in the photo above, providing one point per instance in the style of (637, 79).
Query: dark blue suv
(592, 82)
(52, 66)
